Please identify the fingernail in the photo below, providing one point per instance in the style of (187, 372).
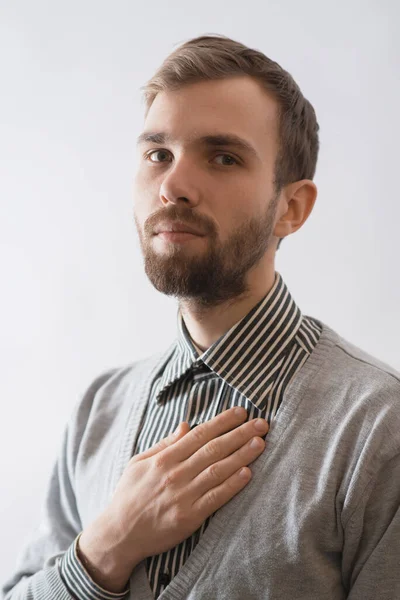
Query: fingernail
(240, 412)
(260, 424)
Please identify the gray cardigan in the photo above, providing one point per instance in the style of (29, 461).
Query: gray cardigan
(320, 518)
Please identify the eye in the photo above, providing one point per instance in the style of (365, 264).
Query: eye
(153, 152)
(164, 153)
(230, 158)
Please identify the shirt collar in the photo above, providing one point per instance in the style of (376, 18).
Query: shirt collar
(249, 356)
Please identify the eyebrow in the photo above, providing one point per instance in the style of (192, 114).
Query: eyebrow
(215, 140)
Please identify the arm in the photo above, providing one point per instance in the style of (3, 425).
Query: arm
(38, 573)
(78, 576)
(371, 556)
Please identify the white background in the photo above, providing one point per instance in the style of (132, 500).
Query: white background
(74, 297)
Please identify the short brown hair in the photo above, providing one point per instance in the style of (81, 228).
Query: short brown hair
(211, 57)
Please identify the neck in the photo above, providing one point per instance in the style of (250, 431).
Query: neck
(207, 325)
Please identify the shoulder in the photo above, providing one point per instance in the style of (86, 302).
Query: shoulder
(354, 364)
(112, 387)
(359, 386)
(365, 372)
(368, 365)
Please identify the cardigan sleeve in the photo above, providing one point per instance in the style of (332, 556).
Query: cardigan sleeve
(37, 574)
(79, 582)
(371, 556)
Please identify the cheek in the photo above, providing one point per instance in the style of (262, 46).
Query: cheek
(142, 190)
(142, 180)
(241, 207)
(138, 184)
(139, 207)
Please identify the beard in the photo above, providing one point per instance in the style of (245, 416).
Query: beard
(212, 275)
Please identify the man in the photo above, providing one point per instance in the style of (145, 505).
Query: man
(225, 169)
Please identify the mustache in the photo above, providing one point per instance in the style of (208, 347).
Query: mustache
(176, 214)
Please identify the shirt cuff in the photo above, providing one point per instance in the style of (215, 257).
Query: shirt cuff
(78, 581)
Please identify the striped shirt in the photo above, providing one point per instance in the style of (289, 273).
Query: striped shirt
(251, 365)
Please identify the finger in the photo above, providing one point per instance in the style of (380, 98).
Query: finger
(219, 472)
(223, 446)
(166, 442)
(221, 494)
(205, 432)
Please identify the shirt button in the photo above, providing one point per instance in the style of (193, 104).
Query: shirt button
(165, 579)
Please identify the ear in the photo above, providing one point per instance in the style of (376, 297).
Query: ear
(295, 205)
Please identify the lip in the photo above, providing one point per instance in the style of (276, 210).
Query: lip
(177, 236)
(177, 228)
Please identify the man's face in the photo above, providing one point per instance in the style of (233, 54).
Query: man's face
(221, 189)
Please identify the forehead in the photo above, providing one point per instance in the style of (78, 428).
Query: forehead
(235, 105)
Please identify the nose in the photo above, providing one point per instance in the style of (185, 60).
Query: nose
(179, 185)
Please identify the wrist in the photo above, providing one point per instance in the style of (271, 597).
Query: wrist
(104, 557)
